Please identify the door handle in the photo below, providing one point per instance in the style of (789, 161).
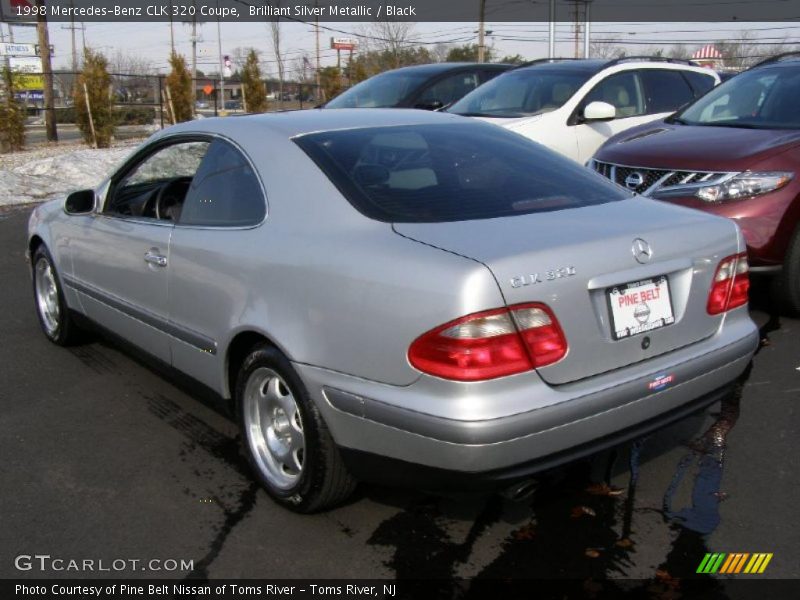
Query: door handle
(155, 259)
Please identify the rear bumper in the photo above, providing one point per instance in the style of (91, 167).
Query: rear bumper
(391, 471)
(484, 432)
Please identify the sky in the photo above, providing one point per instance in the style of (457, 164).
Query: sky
(151, 41)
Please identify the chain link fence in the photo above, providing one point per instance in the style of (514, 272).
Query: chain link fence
(141, 99)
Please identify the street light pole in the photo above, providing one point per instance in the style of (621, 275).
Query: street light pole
(586, 30)
(552, 49)
(221, 65)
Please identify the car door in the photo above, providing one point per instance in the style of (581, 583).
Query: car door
(622, 90)
(121, 257)
(214, 251)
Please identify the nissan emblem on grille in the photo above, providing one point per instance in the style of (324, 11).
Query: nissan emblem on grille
(641, 251)
(634, 180)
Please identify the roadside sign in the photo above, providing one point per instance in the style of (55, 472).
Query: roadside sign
(25, 64)
(27, 82)
(343, 43)
(7, 49)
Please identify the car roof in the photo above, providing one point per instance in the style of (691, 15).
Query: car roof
(590, 65)
(443, 67)
(301, 122)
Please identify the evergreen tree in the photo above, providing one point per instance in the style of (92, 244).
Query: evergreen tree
(179, 83)
(12, 116)
(97, 83)
(252, 86)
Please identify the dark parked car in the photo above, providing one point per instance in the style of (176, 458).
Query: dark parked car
(429, 87)
(735, 152)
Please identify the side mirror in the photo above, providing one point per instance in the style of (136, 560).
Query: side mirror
(79, 203)
(599, 111)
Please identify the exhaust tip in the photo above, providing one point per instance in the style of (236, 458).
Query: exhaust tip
(522, 490)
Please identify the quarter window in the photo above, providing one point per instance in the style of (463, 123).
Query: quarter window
(665, 91)
(700, 83)
(225, 191)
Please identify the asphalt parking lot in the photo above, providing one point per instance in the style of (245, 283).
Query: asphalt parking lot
(105, 457)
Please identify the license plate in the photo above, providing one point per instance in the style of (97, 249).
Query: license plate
(640, 306)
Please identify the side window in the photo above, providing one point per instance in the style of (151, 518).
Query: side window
(448, 90)
(225, 191)
(156, 187)
(665, 91)
(700, 83)
(623, 91)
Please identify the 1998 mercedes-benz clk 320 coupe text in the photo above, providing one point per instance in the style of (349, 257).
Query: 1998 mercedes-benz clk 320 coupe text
(394, 294)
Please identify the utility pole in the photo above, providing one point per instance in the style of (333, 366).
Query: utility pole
(317, 79)
(72, 29)
(586, 29)
(194, 58)
(552, 46)
(481, 31)
(47, 71)
(171, 30)
(577, 26)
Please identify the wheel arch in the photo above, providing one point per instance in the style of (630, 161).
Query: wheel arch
(236, 352)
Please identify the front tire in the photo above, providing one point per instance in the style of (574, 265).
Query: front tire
(786, 285)
(284, 437)
(54, 315)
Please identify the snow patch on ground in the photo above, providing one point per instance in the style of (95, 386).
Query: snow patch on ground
(51, 171)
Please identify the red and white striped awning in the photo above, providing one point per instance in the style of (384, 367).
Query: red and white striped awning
(707, 52)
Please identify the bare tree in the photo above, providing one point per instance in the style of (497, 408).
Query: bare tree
(388, 36)
(744, 51)
(609, 48)
(439, 52)
(133, 75)
(679, 51)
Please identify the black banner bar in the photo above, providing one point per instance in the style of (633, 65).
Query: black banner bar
(401, 10)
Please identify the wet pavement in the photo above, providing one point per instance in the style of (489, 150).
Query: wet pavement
(104, 456)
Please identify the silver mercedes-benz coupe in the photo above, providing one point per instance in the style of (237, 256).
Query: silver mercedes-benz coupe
(399, 295)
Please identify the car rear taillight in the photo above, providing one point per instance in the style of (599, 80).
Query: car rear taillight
(731, 284)
(491, 344)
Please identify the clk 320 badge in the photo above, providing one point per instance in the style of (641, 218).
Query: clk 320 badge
(549, 275)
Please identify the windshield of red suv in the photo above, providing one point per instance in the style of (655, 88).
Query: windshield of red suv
(521, 93)
(765, 98)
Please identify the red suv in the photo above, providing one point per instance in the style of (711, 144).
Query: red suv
(734, 152)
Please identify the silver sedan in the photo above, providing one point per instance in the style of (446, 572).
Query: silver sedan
(398, 295)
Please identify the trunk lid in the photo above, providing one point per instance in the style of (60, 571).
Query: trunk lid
(570, 259)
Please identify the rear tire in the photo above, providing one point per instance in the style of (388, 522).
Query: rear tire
(786, 285)
(54, 315)
(284, 437)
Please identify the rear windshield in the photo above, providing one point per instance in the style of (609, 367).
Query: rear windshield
(382, 91)
(452, 172)
(522, 93)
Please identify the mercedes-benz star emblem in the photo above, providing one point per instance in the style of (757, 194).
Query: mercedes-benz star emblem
(634, 180)
(641, 251)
